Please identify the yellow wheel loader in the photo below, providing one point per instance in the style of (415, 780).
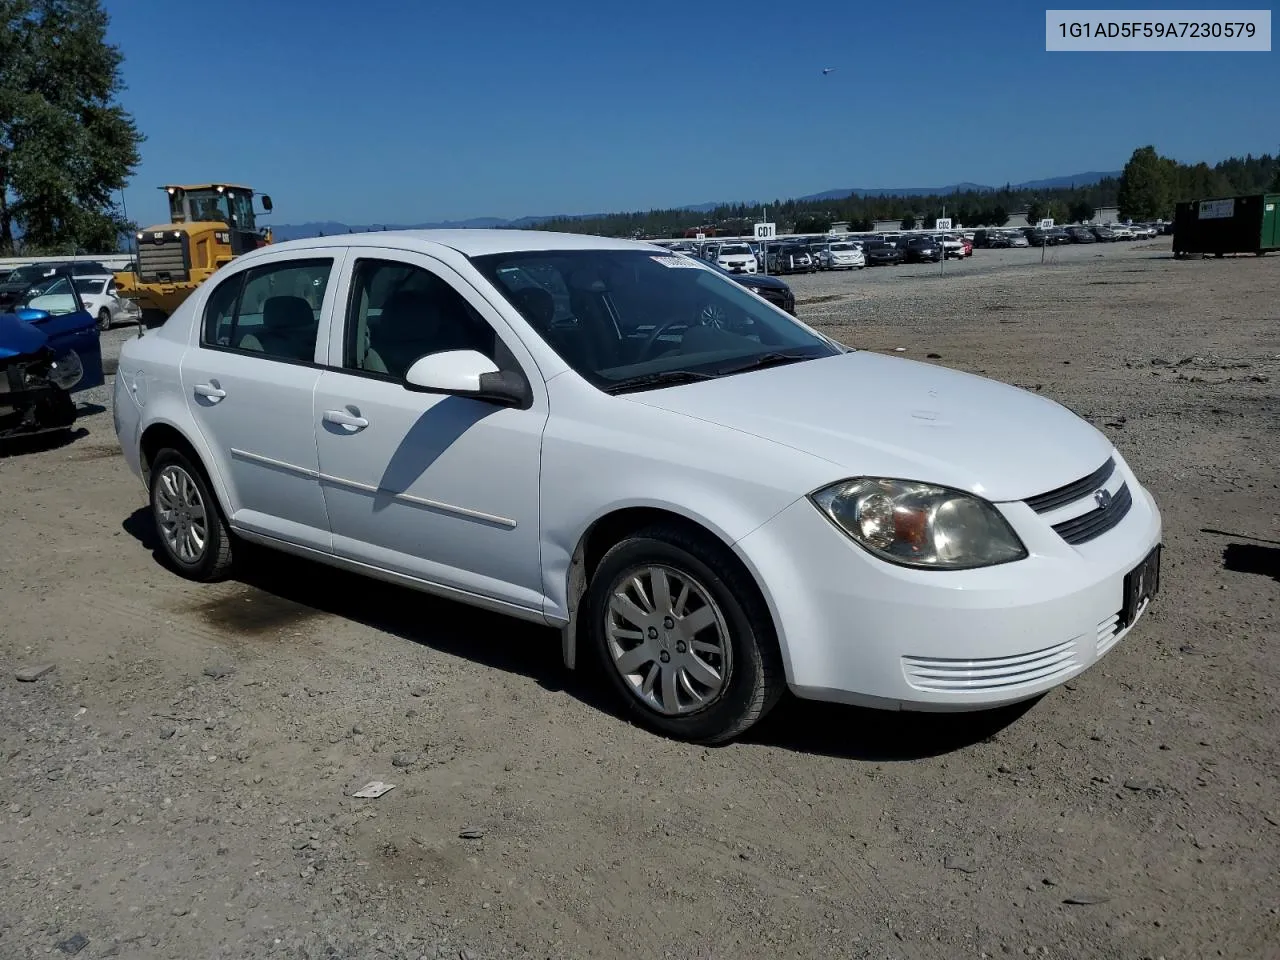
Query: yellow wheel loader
(210, 224)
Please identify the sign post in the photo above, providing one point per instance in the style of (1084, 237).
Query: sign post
(764, 233)
(1046, 224)
(942, 223)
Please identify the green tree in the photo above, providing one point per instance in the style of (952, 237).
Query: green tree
(1146, 189)
(66, 145)
(1035, 211)
(1080, 211)
(1275, 183)
(812, 223)
(908, 222)
(998, 216)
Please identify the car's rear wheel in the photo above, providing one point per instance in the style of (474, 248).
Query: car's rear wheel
(104, 319)
(193, 534)
(683, 635)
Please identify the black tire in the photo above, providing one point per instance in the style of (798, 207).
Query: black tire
(104, 319)
(214, 562)
(754, 677)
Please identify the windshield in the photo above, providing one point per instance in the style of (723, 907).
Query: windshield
(91, 285)
(616, 315)
(837, 247)
(735, 250)
(207, 206)
(54, 295)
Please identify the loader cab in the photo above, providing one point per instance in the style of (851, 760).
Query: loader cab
(221, 203)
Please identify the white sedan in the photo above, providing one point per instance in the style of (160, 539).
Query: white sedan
(843, 255)
(101, 298)
(713, 499)
(736, 258)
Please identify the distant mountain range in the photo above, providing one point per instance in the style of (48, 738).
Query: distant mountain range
(295, 231)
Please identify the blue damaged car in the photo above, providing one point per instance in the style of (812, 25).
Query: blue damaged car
(50, 349)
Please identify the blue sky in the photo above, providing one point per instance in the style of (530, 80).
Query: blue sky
(399, 112)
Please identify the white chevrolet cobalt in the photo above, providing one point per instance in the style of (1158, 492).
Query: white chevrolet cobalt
(715, 500)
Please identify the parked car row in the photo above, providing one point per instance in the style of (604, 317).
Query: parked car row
(793, 255)
(94, 281)
(1058, 235)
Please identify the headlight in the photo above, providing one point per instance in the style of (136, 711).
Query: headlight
(67, 371)
(920, 525)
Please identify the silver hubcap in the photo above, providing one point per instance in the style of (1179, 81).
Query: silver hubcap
(180, 513)
(668, 639)
(713, 316)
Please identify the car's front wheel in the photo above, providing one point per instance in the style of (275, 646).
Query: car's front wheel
(104, 319)
(683, 635)
(193, 535)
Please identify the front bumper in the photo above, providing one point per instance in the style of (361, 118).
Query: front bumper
(855, 629)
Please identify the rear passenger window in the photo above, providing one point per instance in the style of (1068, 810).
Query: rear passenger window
(273, 310)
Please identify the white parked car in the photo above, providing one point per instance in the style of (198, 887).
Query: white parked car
(102, 299)
(951, 246)
(843, 255)
(736, 258)
(714, 499)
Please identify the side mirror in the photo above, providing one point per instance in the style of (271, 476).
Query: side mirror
(266, 202)
(468, 373)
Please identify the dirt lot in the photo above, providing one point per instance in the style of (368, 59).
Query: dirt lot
(177, 786)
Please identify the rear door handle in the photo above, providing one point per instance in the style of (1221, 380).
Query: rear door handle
(210, 390)
(345, 419)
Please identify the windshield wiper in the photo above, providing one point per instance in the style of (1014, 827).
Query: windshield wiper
(776, 359)
(665, 378)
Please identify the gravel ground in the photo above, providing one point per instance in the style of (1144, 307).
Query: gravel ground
(177, 786)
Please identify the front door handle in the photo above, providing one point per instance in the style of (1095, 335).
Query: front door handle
(210, 390)
(343, 418)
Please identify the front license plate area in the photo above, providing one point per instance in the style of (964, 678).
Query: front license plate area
(1141, 584)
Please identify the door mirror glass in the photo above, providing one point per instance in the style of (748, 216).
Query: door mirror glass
(467, 373)
(266, 202)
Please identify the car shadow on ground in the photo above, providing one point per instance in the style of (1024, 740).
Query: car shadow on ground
(20, 446)
(877, 736)
(303, 587)
(288, 588)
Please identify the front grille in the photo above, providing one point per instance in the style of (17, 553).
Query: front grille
(1095, 523)
(1073, 491)
(1108, 633)
(164, 260)
(996, 673)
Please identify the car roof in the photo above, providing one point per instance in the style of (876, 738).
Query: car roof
(470, 243)
(96, 276)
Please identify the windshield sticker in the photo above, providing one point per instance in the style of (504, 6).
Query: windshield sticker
(676, 262)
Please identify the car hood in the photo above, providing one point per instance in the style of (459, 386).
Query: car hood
(886, 416)
(761, 280)
(18, 337)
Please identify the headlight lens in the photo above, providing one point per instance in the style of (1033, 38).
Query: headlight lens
(920, 525)
(67, 370)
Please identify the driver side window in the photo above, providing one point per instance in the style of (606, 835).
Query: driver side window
(399, 312)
